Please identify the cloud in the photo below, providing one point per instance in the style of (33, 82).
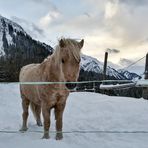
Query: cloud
(137, 68)
(37, 29)
(113, 24)
(87, 14)
(126, 22)
(112, 51)
(31, 28)
(136, 62)
(125, 62)
(43, 2)
(47, 4)
(50, 17)
(124, 19)
(134, 2)
(111, 9)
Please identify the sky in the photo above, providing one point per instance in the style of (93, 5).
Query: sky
(117, 26)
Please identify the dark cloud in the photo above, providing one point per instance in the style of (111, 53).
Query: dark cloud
(125, 62)
(112, 51)
(31, 28)
(87, 14)
(37, 29)
(128, 65)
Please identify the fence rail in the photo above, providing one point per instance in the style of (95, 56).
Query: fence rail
(101, 84)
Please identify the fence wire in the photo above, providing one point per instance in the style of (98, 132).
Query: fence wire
(75, 89)
(79, 82)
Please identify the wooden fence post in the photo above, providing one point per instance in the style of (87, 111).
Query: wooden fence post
(105, 65)
(145, 89)
(146, 67)
(104, 69)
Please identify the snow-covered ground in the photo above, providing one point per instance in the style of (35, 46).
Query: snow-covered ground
(84, 112)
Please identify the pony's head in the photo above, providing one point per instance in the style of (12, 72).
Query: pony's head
(69, 58)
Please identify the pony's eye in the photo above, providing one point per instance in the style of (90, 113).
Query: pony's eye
(63, 61)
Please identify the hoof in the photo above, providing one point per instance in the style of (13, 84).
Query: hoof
(39, 123)
(45, 136)
(59, 136)
(23, 129)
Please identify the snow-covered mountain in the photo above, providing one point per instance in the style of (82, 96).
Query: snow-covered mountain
(17, 49)
(13, 36)
(91, 64)
(8, 29)
(129, 75)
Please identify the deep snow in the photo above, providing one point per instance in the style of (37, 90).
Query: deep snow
(84, 112)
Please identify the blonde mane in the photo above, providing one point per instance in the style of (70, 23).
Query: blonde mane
(72, 46)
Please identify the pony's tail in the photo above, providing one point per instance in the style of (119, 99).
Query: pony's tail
(36, 110)
(55, 114)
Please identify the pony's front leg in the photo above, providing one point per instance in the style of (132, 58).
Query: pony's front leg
(59, 109)
(46, 117)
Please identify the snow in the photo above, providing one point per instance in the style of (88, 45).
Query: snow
(129, 75)
(4, 28)
(84, 112)
(9, 38)
(5, 25)
(91, 64)
(143, 83)
(2, 53)
(17, 27)
(117, 86)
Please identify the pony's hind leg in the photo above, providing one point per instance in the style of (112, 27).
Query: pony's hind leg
(38, 115)
(25, 105)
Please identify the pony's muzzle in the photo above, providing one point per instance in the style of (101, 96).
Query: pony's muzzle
(70, 85)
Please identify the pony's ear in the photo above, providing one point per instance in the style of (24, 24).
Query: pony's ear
(61, 43)
(81, 43)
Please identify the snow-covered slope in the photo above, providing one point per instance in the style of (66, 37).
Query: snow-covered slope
(84, 112)
(91, 64)
(13, 35)
(17, 49)
(129, 75)
(7, 29)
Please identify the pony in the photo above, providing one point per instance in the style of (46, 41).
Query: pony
(62, 66)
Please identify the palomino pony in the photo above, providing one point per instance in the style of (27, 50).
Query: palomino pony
(62, 66)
